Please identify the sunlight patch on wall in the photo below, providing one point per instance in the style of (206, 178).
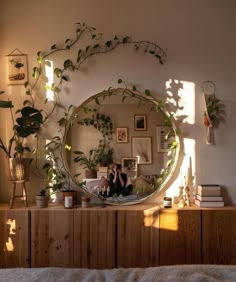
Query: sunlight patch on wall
(181, 96)
(49, 75)
(12, 228)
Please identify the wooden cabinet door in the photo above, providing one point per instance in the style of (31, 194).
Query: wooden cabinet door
(94, 238)
(219, 236)
(14, 238)
(180, 236)
(137, 238)
(52, 238)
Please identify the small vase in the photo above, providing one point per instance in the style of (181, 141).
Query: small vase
(57, 199)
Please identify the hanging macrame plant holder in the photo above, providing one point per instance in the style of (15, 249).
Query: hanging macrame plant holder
(209, 89)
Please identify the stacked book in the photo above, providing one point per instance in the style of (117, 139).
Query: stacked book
(209, 195)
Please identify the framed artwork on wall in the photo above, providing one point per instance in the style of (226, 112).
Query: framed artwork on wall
(17, 68)
(122, 135)
(130, 166)
(140, 122)
(142, 149)
(164, 138)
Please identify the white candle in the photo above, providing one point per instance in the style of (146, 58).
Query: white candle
(68, 202)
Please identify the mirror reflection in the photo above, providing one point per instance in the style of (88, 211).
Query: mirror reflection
(123, 146)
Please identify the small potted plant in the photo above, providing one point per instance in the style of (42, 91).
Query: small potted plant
(212, 113)
(55, 179)
(42, 199)
(90, 162)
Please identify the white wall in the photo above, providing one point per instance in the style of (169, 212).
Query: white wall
(199, 36)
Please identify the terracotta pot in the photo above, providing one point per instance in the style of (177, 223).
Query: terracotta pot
(91, 173)
(18, 168)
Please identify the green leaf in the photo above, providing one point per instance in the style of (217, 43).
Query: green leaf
(125, 39)
(108, 43)
(97, 101)
(147, 92)
(67, 64)
(26, 102)
(6, 104)
(64, 78)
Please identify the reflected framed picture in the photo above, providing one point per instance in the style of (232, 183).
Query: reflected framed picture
(140, 122)
(17, 68)
(130, 166)
(122, 135)
(142, 149)
(165, 136)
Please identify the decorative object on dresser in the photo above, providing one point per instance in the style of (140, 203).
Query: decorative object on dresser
(209, 195)
(42, 199)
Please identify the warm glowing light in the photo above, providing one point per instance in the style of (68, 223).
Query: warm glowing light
(12, 229)
(170, 221)
(181, 96)
(12, 224)
(150, 218)
(9, 245)
(49, 75)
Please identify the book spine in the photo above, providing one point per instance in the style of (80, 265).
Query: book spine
(209, 187)
(209, 198)
(209, 193)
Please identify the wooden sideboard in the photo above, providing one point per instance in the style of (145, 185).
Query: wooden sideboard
(126, 236)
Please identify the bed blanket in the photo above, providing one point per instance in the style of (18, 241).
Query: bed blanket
(189, 273)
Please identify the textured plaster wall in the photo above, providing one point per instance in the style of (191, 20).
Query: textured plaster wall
(199, 36)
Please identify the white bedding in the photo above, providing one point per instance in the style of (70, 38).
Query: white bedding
(189, 273)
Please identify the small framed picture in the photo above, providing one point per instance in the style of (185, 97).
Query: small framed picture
(140, 122)
(122, 135)
(165, 136)
(130, 166)
(142, 149)
(17, 69)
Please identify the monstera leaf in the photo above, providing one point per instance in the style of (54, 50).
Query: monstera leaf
(30, 121)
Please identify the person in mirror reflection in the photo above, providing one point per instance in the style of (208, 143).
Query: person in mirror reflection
(118, 181)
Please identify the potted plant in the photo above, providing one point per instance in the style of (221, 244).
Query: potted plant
(55, 180)
(90, 162)
(42, 199)
(105, 153)
(213, 109)
(29, 122)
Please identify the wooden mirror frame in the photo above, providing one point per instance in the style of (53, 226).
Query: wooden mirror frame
(171, 169)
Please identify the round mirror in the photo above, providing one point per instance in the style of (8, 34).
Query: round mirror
(124, 146)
